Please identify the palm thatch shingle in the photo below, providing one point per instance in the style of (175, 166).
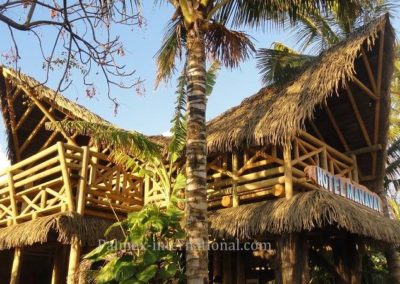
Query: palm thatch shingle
(89, 230)
(275, 114)
(304, 212)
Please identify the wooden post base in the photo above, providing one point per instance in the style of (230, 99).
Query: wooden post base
(292, 260)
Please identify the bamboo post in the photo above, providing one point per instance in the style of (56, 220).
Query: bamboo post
(11, 189)
(146, 188)
(227, 268)
(56, 277)
(324, 159)
(74, 256)
(287, 164)
(80, 208)
(354, 173)
(240, 269)
(235, 166)
(65, 175)
(16, 266)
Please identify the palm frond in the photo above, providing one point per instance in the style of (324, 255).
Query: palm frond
(170, 50)
(211, 77)
(179, 123)
(130, 142)
(316, 31)
(227, 46)
(395, 208)
(280, 65)
(260, 13)
(393, 165)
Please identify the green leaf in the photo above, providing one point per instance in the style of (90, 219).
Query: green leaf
(125, 268)
(106, 273)
(150, 257)
(147, 274)
(101, 252)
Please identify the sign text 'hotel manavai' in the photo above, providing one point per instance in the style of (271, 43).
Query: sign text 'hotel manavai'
(344, 187)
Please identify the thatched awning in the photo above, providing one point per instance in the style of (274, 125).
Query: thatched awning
(304, 212)
(64, 226)
(275, 114)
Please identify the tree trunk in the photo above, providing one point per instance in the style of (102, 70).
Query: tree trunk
(196, 162)
(391, 253)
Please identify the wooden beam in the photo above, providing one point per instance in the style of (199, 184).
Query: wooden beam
(287, 163)
(49, 140)
(14, 133)
(16, 266)
(52, 119)
(24, 116)
(365, 88)
(380, 63)
(316, 130)
(66, 176)
(365, 150)
(369, 70)
(11, 192)
(235, 166)
(337, 129)
(34, 132)
(358, 116)
(80, 208)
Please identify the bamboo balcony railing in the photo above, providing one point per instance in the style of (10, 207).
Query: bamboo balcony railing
(67, 178)
(263, 171)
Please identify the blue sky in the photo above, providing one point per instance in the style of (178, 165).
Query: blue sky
(151, 113)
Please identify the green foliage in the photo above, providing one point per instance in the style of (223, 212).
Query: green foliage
(375, 269)
(148, 254)
(281, 63)
(130, 142)
(178, 121)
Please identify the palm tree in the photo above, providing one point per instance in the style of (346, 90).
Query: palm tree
(198, 30)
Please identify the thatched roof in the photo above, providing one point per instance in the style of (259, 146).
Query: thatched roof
(274, 115)
(308, 211)
(63, 226)
(41, 91)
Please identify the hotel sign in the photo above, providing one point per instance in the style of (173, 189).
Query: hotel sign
(344, 187)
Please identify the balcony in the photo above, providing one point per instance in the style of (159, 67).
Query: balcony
(264, 172)
(67, 178)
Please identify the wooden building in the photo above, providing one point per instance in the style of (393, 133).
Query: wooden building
(300, 166)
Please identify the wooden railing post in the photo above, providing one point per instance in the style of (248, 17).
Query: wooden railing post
(65, 176)
(83, 182)
(146, 189)
(13, 203)
(235, 166)
(287, 164)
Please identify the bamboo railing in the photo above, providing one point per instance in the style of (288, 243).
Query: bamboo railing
(272, 170)
(67, 178)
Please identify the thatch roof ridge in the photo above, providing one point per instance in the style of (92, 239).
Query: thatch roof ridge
(274, 115)
(89, 230)
(308, 211)
(39, 90)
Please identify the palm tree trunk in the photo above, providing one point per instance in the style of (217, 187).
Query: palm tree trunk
(391, 253)
(196, 162)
